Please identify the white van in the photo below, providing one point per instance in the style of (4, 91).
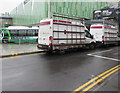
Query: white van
(104, 34)
(60, 35)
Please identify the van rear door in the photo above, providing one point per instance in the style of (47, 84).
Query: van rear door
(45, 32)
(97, 32)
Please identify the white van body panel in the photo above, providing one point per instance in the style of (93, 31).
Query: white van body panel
(45, 31)
(97, 30)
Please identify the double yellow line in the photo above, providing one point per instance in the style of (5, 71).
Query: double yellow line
(90, 84)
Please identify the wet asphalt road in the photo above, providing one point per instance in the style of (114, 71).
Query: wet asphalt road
(44, 72)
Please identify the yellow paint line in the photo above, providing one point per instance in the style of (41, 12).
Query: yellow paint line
(99, 80)
(17, 55)
(108, 58)
(95, 78)
(103, 83)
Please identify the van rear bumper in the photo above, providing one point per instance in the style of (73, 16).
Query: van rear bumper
(44, 47)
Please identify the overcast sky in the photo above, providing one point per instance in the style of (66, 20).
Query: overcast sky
(8, 5)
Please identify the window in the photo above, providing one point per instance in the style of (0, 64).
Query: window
(14, 32)
(2, 32)
(29, 32)
(87, 34)
(22, 32)
(36, 33)
(5, 33)
(33, 32)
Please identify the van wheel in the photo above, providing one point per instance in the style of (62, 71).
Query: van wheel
(49, 52)
(5, 41)
(92, 46)
(62, 52)
(119, 43)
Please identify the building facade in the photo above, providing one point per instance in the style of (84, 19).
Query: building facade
(32, 11)
(5, 20)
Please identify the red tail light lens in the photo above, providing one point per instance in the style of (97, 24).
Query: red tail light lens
(50, 44)
(50, 38)
(102, 37)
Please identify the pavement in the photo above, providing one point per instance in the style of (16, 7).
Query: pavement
(65, 73)
(15, 49)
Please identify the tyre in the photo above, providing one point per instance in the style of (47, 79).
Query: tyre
(5, 41)
(49, 52)
(62, 52)
(92, 46)
(119, 43)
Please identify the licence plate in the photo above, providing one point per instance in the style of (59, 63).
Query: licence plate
(40, 46)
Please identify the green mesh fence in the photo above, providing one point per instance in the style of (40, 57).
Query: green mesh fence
(33, 11)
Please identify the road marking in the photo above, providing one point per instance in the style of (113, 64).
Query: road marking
(95, 78)
(108, 58)
(101, 51)
(104, 83)
(17, 55)
(101, 76)
(99, 80)
(104, 57)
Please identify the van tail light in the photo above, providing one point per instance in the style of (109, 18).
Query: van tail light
(50, 38)
(50, 44)
(102, 38)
